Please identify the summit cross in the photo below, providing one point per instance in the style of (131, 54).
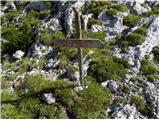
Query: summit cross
(79, 43)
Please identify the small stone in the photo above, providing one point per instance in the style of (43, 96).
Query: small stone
(78, 88)
(112, 85)
(49, 98)
(104, 84)
(18, 54)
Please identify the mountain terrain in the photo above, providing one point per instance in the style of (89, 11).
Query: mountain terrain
(41, 81)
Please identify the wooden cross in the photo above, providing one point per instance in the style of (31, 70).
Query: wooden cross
(79, 43)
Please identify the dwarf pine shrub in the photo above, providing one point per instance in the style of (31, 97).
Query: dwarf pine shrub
(90, 104)
(105, 68)
(131, 20)
(47, 38)
(19, 37)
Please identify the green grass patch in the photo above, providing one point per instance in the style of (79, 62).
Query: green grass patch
(111, 12)
(149, 70)
(105, 68)
(131, 20)
(92, 21)
(91, 104)
(113, 9)
(9, 111)
(141, 31)
(47, 38)
(143, 107)
(19, 37)
(10, 16)
(95, 35)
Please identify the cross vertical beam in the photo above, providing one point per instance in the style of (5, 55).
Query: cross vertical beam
(80, 52)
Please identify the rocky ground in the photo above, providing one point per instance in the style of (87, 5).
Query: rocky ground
(39, 80)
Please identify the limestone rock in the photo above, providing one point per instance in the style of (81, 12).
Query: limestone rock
(40, 51)
(96, 28)
(37, 5)
(112, 25)
(112, 85)
(151, 95)
(104, 84)
(52, 25)
(85, 19)
(138, 9)
(69, 16)
(49, 98)
(78, 88)
(18, 54)
(51, 63)
(124, 112)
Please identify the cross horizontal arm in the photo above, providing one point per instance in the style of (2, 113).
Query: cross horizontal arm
(78, 43)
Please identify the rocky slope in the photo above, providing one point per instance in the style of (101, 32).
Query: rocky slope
(39, 80)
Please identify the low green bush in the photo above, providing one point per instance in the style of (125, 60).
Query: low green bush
(65, 96)
(67, 55)
(111, 12)
(138, 101)
(113, 9)
(147, 68)
(89, 104)
(120, 7)
(4, 82)
(154, 11)
(9, 111)
(7, 96)
(141, 31)
(94, 21)
(153, 77)
(156, 54)
(143, 107)
(124, 62)
(19, 37)
(95, 35)
(134, 39)
(37, 84)
(105, 68)
(120, 100)
(53, 111)
(10, 16)
(96, 7)
(30, 105)
(47, 38)
(131, 20)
